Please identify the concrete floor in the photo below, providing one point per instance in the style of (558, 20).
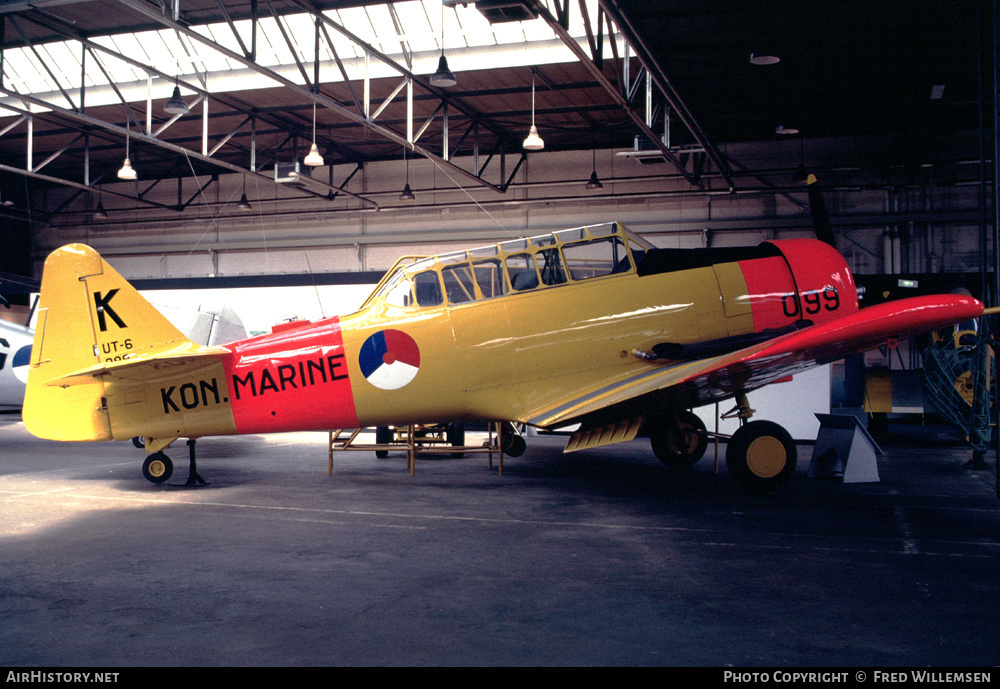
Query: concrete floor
(597, 558)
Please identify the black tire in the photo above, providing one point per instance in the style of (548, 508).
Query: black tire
(512, 444)
(157, 468)
(679, 448)
(455, 434)
(139, 441)
(761, 456)
(383, 436)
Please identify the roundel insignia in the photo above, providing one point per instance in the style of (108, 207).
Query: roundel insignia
(22, 358)
(389, 359)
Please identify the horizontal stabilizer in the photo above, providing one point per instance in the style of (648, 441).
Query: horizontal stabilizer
(146, 368)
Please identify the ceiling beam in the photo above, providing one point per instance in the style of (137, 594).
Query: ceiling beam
(313, 95)
(655, 71)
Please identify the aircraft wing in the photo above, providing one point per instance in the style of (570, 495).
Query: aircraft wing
(145, 368)
(691, 384)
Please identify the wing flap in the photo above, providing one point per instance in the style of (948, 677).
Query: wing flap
(700, 382)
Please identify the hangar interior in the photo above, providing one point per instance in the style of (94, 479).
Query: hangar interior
(698, 123)
(264, 145)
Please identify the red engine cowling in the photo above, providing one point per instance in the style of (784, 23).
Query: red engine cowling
(809, 281)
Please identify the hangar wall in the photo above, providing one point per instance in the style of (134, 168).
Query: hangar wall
(932, 210)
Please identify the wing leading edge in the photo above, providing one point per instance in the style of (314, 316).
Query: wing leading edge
(695, 383)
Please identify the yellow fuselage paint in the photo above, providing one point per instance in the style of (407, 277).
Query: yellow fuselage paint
(508, 332)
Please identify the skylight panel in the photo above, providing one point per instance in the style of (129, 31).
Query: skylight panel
(24, 73)
(411, 28)
(421, 34)
(346, 48)
(64, 62)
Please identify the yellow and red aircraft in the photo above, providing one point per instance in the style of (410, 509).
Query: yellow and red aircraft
(591, 326)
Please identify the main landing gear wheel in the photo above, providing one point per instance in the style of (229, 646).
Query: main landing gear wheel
(679, 445)
(511, 442)
(761, 456)
(157, 468)
(383, 436)
(455, 435)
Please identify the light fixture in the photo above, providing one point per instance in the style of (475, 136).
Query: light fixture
(594, 182)
(176, 105)
(443, 76)
(126, 171)
(764, 59)
(533, 142)
(314, 159)
(407, 194)
(785, 131)
(99, 212)
(243, 204)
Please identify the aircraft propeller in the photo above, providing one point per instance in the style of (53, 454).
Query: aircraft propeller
(820, 215)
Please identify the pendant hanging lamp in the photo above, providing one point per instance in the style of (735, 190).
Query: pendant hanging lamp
(533, 142)
(443, 77)
(594, 182)
(243, 204)
(126, 172)
(314, 159)
(407, 194)
(176, 105)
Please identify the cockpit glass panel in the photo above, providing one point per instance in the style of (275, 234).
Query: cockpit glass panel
(399, 293)
(551, 267)
(575, 235)
(595, 258)
(427, 288)
(490, 278)
(522, 272)
(458, 283)
(514, 245)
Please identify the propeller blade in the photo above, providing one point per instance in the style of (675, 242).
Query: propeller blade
(821, 217)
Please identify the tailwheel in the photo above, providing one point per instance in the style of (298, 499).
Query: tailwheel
(679, 443)
(761, 456)
(157, 468)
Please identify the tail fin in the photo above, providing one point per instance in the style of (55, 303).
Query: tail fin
(87, 314)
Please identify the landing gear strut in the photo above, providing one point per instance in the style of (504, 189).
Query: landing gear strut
(193, 478)
(760, 455)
